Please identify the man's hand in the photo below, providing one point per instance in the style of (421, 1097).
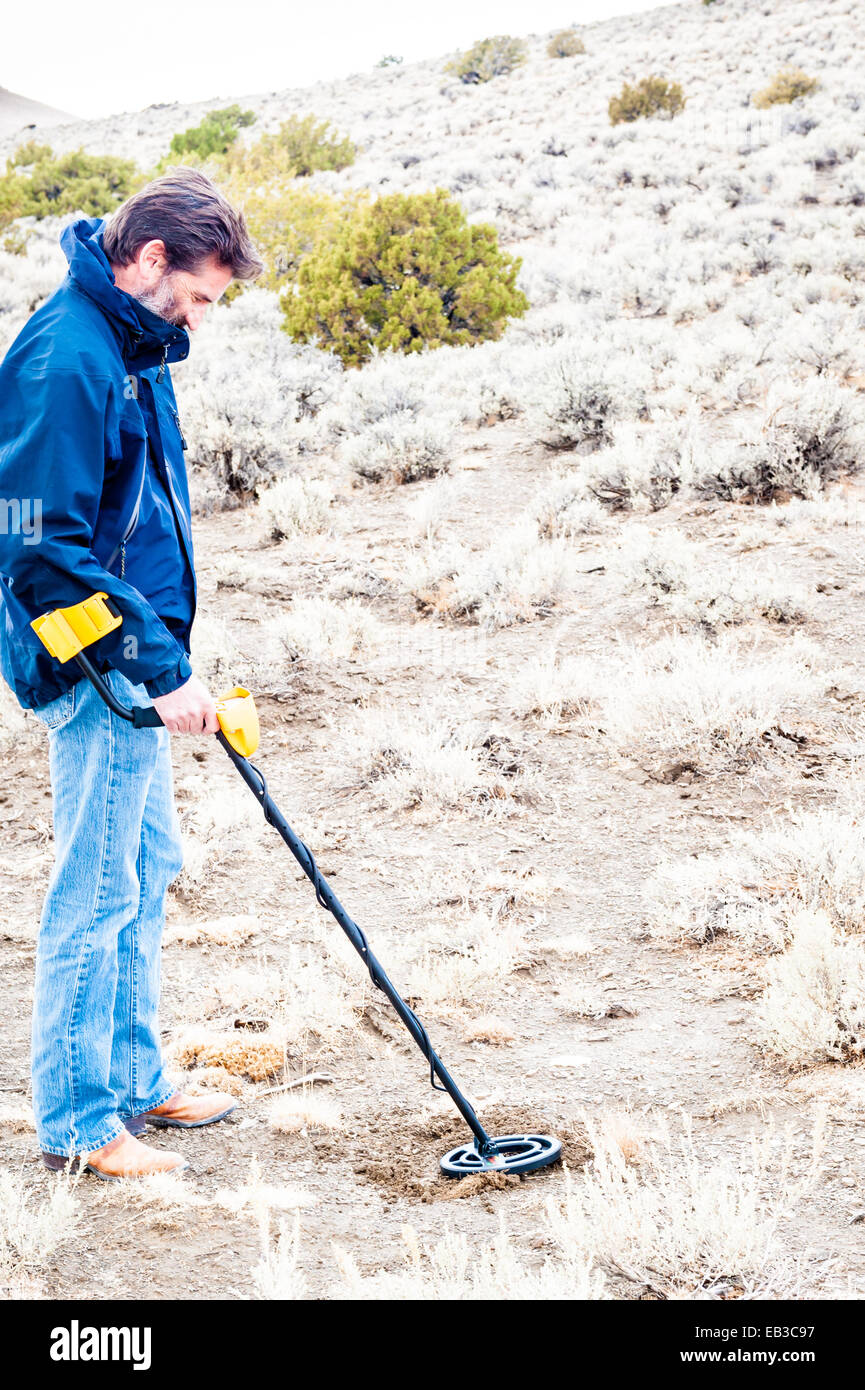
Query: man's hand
(189, 710)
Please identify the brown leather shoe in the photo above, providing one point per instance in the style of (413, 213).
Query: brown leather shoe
(181, 1111)
(123, 1157)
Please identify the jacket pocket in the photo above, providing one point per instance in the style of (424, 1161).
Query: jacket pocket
(58, 712)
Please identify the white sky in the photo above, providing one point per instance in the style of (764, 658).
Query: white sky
(95, 60)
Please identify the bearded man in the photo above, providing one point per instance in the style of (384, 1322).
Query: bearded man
(90, 437)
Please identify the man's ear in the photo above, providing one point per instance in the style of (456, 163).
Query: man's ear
(152, 261)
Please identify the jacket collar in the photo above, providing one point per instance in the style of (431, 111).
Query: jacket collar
(146, 338)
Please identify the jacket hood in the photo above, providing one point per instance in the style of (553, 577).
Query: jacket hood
(147, 337)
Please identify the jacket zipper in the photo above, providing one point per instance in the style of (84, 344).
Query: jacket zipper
(120, 548)
(183, 443)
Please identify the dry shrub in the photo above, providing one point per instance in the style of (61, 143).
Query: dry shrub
(810, 436)
(788, 85)
(685, 698)
(684, 1226)
(413, 759)
(403, 448)
(813, 861)
(296, 506)
(473, 958)
(813, 1009)
(651, 96)
(322, 629)
(565, 43)
(562, 509)
(695, 588)
(511, 581)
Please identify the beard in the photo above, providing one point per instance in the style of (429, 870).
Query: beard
(163, 300)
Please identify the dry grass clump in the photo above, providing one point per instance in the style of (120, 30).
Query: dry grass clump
(574, 946)
(788, 85)
(681, 1225)
(296, 506)
(511, 581)
(14, 723)
(686, 698)
(621, 1130)
(691, 584)
(304, 1111)
(16, 1119)
(475, 957)
(452, 1269)
(503, 889)
(828, 512)
(278, 1274)
(258, 1056)
(206, 1079)
(421, 759)
(432, 506)
(260, 1197)
(815, 862)
(556, 688)
(215, 655)
(813, 1008)
(488, 1029)
(321, 629)
(219, 826)
(218, 931)
(317, 994)
(33, 1223)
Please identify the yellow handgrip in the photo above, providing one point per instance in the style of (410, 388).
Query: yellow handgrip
(238, 720)
(66, 631)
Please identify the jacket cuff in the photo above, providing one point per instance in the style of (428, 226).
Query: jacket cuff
(170, 680)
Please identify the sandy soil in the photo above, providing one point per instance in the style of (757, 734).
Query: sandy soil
(677, 1032)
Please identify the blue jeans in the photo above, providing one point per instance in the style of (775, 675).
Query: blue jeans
(96, 1058)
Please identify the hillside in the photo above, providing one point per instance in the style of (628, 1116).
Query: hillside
(17, 113)
(575, 721)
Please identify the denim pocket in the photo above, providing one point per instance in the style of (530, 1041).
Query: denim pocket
(57, 712)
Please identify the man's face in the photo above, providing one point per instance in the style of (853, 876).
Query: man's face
(184, 296)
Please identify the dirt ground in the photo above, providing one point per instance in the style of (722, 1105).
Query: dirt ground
(677, 1034)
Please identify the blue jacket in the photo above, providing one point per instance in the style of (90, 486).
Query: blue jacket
(93, 488)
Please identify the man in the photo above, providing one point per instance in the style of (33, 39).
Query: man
(90, 440)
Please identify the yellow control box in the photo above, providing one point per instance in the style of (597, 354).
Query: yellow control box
(67, 631)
